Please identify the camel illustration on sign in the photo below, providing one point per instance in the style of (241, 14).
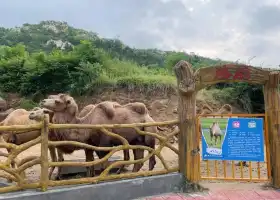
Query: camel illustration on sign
(213, 131)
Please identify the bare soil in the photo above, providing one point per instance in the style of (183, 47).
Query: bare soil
(33, 173)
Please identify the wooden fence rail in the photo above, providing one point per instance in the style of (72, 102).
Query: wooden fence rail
(17, 175)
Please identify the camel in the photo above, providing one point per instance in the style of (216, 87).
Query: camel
(37, 115)
(65, 111)
(83, 113)
(18, 117)
(215, 131)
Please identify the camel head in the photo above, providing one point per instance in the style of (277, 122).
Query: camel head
(38, 115)
(53, 96)
(60, 103)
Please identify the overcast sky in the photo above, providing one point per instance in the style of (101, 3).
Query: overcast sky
(226, 29)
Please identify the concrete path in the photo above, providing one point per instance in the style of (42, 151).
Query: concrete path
(226, 191)
(223, 195)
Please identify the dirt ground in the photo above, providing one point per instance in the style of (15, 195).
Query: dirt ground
(33, 173)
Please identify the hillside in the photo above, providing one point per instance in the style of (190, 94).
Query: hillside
(53, 34)
(50, 57)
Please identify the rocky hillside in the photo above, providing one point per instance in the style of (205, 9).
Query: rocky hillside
(54, 34)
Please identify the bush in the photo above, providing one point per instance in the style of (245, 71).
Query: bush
(27, 104)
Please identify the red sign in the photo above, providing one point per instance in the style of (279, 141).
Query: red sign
(240, 73)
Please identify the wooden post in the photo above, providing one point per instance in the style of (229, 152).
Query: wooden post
(44, 179)
(271, 97)
(188, 143)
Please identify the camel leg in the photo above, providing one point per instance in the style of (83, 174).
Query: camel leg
(244, 164)
(13, 166)
(138, 154)
(211, 137)
(60, 159)
(53, 159)
(89, 158)
(126, 157)
(151, 142)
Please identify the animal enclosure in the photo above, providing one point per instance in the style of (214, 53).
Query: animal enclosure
(17, 175)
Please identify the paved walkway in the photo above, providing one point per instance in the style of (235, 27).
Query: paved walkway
(227, 194)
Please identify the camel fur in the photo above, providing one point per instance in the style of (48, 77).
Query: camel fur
(130, 113)
(18, 117)
(86, 110)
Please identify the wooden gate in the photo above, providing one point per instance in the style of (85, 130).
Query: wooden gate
(189, 82)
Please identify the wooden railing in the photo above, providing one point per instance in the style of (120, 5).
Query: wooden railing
(17, 175)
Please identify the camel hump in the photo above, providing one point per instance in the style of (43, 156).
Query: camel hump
(108, 108)
(137, 107)
(226, 108)
(206, 109)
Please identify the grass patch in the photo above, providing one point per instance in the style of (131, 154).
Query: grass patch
(27, 104)
(207, 122)
(125, 74)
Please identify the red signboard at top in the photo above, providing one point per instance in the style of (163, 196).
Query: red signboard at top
(229, 73)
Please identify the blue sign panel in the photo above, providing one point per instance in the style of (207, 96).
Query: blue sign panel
(240, 139)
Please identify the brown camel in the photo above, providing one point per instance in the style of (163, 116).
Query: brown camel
(65, 109)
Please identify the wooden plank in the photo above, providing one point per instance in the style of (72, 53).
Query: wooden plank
(230, 73)
(188, 143)
(272, 104)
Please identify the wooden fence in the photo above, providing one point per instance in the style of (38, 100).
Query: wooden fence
(18, 174)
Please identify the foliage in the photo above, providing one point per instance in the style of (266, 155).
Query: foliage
(27, 104)
(50, 57)
(80, 70)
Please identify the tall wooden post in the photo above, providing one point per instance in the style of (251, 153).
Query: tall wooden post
(272, 105)
(188, 143)
(44, 179)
